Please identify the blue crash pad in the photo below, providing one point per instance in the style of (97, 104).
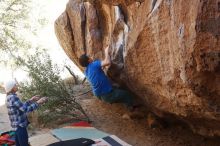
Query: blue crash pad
(68, 133)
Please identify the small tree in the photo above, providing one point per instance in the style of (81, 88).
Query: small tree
(45, 81)
(16, 22)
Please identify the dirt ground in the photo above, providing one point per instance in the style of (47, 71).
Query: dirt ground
(110, 118)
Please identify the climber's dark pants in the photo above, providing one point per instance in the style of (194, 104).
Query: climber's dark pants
(118, 96)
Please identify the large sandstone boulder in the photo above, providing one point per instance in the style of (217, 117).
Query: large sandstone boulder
(165, 51)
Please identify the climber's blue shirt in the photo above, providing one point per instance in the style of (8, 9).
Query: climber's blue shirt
(97, 78)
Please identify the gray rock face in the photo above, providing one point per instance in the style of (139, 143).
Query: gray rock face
(165, 51)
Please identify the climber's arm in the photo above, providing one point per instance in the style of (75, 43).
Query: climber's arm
(107, 60)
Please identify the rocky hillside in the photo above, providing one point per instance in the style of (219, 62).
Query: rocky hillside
(165, 51)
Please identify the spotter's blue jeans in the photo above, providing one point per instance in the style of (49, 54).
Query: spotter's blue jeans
(21, 136)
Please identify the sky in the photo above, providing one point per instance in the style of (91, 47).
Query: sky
(51, 9)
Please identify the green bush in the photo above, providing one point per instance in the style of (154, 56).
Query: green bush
(44, 80)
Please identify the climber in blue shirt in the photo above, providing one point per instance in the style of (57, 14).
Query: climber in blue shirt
(101, 86)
